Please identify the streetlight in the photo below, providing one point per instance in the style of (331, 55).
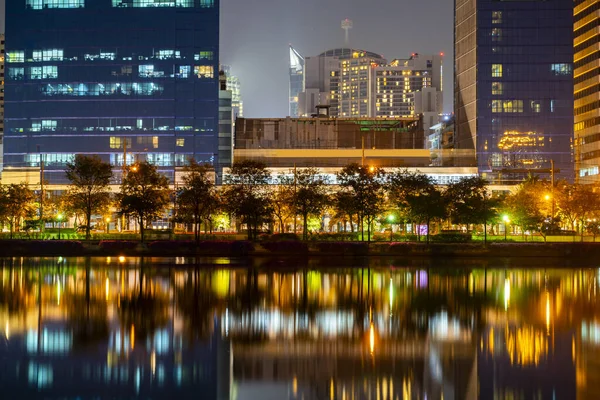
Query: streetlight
(506, 221)
(107, 224)
(391, 218)
(59, 218)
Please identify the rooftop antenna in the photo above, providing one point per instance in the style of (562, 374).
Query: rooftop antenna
(346, 26)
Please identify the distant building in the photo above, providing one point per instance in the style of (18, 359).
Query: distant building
(296, 71)
(332, 143)
(408, 87)
(361, 84)
(440, 140)
(234, 85)
(226, 119)
(513, 96)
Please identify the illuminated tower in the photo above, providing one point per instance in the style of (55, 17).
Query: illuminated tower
(346, 26)
(296, 80)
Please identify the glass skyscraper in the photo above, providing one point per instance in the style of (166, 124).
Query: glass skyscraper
(296, 80)
(90, 76)
(514, 86)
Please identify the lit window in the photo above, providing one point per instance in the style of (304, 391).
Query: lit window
(15, 56)
(512, 106)
(496, 17)
(116, 142)
(496, 35)
(497, 70)
(497, 88)
(184, 71)
(496, 106)
(204, 71)
(204, 55)
(16, 74)
(561, 69)
(536, 106)
(156, 3)
(40, 4)
(180, 142)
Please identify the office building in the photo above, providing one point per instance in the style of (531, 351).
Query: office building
(90, 76)
(586, 89)
(513, 86)
(1, 100)
(296, 71)
(330, 144)
(225, 123)
(235, 86)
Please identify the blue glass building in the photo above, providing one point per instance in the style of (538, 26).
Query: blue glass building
(88, 76)
(514, 86)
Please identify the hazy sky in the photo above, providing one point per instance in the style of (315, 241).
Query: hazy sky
(255, 36)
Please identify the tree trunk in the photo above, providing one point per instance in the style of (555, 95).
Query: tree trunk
(88, 218)
(305, 226)
(428, 223)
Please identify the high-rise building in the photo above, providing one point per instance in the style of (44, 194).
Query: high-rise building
(1, 100)
(88, 76)
(513, 86)
(587, 88)
(358, 83)
(296, 71)
(408, 87)
(226, 123)
(234, 85)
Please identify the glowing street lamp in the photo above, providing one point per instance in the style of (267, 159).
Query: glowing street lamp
(506, 222)
(107, 224)
(391, 218)
(59, 218)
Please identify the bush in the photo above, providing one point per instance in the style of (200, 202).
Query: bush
(344, 248)
(453, 237)
(396, 237)
(279, 237)
(41, 247)
(172, 247)
(337, 237)
(288, 247)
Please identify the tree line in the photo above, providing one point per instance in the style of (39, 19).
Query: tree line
(361, 199)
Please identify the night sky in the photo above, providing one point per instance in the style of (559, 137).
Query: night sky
(255, 36)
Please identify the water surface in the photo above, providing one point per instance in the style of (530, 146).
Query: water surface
(103, 328)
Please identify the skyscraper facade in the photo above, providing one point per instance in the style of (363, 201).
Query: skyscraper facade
(513, 85)
(95, 76)
(586, 90)
(296, 70)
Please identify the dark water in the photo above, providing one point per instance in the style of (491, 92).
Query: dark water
(167, 329)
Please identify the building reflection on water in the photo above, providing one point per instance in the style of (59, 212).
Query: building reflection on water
(132, 328)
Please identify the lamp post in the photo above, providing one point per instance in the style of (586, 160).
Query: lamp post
(391, 220)
(506, 221)
(59, 218)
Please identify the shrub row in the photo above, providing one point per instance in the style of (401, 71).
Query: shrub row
(286, 247)
(41, 247)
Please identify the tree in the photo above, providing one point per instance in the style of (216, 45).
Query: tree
(245, 194)
(586, 204)
(282, 201)
(88, 192)
(417, 197)
(16, 203)
(197, 201)
(346, 205)
(144, 194)
(365, 188)
(525, 206)
(309, 196)
(470, 203)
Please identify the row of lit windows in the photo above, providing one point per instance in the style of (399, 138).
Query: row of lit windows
(18, 56)
(115, 125)
(158, 159)
(116, 142)
(43, 4)
(507, 106)
(561, 69)
(588, 123)
(42, 72)
(101, 89)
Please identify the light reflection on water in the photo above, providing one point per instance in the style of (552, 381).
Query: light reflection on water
(163, 329)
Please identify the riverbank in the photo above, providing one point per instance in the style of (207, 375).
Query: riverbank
(48, 248)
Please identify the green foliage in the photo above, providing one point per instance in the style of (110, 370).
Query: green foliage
(197, 200)
(16, 204)
(144, 194)
(417, 197)
(246, 195)
(88, 192)
(364, 189)
(452, 238)
(309, 195)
